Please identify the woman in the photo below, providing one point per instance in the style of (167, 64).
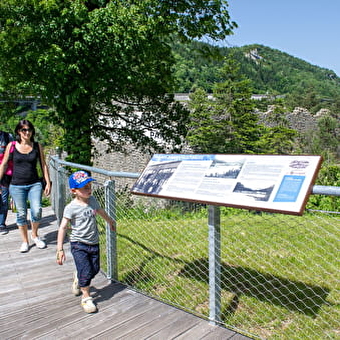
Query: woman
(25, 184)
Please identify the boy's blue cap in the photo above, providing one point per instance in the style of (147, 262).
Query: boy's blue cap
(79, 179)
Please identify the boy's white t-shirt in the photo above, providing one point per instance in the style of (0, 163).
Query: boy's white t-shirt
(83, 221)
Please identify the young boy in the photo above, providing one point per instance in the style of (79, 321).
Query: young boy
(80, 213)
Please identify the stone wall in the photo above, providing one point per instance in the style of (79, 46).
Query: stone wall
(131, 161)
(300, 119)
(135, 161)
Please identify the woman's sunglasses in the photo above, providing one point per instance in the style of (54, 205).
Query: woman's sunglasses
(25, 130)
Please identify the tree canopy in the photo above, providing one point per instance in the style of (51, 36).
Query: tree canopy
(226, 122)
(105, 66)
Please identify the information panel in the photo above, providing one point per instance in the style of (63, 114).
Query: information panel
(276, 183)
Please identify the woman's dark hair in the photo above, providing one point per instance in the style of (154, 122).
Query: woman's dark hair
(20, 125)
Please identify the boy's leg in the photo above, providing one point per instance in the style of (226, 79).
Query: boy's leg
(82, 255)
(83, 260)
(75, 285)
(95, 259)
(85, 291)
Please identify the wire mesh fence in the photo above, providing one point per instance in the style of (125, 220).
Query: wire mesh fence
(279, 273)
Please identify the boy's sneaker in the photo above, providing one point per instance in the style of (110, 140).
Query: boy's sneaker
(24, 247)
(88, 305)
(75, 287)
(39, 243)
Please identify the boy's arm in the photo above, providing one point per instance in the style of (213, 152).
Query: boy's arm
(107, 218)
(60, 241)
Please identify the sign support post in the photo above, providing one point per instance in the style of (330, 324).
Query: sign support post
(214, 263)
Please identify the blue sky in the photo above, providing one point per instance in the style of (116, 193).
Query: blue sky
(306, 29)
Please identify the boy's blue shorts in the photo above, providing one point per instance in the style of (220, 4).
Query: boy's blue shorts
(87, 261)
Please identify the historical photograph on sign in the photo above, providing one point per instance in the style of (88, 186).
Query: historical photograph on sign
(263, 182)
(155, 177)
(223, 169)
(258, 191)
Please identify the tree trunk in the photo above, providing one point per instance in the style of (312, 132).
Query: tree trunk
(77, 139)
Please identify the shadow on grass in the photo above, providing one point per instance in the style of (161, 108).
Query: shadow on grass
(294, 295)
(139, 274)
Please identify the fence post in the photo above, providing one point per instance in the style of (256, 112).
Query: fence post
(111, 237)
(214, 264)
(60, 187)
(53, 175)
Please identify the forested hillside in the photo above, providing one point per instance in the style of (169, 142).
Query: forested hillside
(271, 71)
(224, 122)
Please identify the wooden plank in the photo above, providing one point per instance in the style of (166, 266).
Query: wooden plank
(172, 327)
(78, 325)
(112, 316)
(36, 300)
(61, 315)
(220, 333)
(197, 332)
(146, 323)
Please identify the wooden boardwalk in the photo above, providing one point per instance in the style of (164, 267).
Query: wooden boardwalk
(36, 300)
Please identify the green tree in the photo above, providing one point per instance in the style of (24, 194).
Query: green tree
(278, 137)
(48, 134)
(226, 122)
(304, 95)
(105, 66)
(329, 133)
(325, 140)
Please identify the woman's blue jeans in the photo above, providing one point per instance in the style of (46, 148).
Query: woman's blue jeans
(23, 193)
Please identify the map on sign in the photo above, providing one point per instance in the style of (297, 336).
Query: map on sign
(276, 183)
